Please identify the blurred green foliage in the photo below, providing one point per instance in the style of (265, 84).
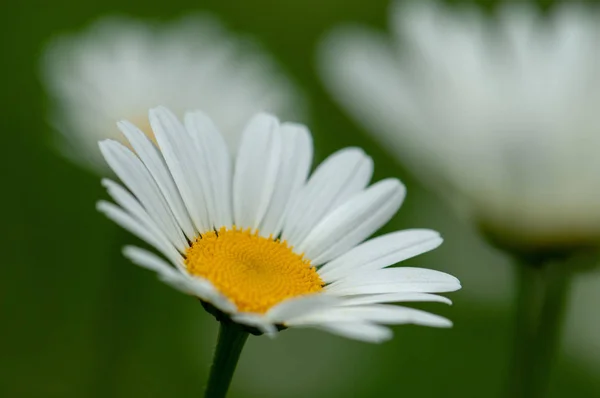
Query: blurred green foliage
(80, 321)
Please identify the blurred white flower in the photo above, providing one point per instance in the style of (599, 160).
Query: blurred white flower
(500, 114)
(119, 68)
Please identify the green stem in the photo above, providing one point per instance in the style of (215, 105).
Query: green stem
(557, 283)
(230, 342)
(541, 299)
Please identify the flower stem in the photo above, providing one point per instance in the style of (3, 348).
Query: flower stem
(230, 342)
(541, 299)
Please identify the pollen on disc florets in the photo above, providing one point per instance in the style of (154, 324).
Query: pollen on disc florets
(252, 271)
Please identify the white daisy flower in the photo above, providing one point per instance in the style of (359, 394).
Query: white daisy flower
(501, 115)
(119, 68)
(257, 240)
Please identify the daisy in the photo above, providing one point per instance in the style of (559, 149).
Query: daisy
(499, 115)
(259, 242)
(119, 68)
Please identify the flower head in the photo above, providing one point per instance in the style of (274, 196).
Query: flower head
(257, 240)
(119, 68)
(500, 115)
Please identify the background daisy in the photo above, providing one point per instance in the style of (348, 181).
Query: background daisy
(499, 116)
(120, 67)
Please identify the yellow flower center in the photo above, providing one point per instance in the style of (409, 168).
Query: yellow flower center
(254, 272)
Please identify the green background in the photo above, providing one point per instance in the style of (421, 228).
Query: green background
(80, 321)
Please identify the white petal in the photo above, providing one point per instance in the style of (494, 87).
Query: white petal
(211, 294)
(378, 313)
(256, 321)
(213, 150)
(137, 178)
(130, 204)
(256, 170)
(204, 289)
(126, 221)
(338, 178)
(177, 149)
(362, 331)
(155, 164)
(353, 221)
(181, 281)
(300, 306)
(395, 298)
(148, 260)
(381, 252)
(296, 158)
(395, 280)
